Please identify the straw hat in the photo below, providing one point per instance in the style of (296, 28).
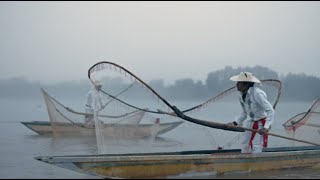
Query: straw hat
(245, 77)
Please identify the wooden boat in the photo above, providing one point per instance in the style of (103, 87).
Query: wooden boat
(110, 130)
(177, 164)
(66, 122)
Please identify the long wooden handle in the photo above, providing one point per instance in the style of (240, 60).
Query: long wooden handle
(230, 128)
(276, 135)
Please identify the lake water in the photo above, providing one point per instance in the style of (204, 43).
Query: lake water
(19, 145)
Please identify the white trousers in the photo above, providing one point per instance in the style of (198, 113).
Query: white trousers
(89, 118)
(257, 142)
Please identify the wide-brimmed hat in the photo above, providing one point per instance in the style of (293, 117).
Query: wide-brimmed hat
(245, 77)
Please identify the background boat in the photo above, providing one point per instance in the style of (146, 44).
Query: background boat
(110, 130)
(65, 121)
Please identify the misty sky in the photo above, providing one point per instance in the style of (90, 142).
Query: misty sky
(57, 41)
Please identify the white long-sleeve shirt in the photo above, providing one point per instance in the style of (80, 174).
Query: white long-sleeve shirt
(256, 106)
(89, 103)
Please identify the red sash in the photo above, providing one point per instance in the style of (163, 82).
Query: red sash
(256, 126)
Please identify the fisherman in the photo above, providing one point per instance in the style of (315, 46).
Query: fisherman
(90, 103)
(255, 104)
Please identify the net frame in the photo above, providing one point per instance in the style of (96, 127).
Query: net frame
(301, 119)
(172, 110)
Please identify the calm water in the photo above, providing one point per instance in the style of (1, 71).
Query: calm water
(19, 145)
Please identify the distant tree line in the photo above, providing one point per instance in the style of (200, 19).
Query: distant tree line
(20, 88)
(296, 87)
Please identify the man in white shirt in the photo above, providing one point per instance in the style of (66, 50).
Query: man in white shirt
(93, 94)
(261, 113)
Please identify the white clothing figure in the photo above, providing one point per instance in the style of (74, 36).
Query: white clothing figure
(261, 113)
(93, 96)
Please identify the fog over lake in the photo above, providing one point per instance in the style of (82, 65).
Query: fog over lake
(186, 51)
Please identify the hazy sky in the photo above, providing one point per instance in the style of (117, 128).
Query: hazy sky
(56, 41)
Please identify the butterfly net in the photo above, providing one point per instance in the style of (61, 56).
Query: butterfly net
(220, 108)
(66, 121)
(305, 125)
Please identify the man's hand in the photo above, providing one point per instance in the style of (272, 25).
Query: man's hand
(263, 131)
(230, 124)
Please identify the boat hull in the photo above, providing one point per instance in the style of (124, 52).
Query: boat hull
(157, 165)
(111, 130)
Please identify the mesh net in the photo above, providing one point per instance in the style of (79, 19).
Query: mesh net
(220, 108)
(305, 125)
(225, 107)
(68, 122)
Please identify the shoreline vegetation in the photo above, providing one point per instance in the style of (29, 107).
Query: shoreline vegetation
(295, 87)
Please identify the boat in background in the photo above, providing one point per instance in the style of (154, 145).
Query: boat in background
(120, 131)
(66, 122)
(109, 130)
